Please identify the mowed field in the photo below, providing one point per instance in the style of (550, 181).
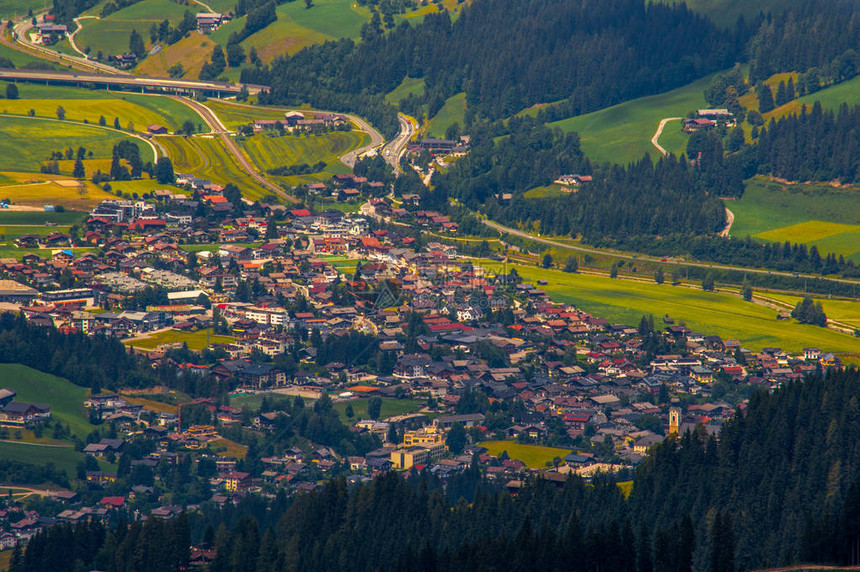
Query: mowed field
(110, 35)
(26, 142)
(268, 151)
(234, 116)
(408, 86)
(194, 340)
(192, 52)
(534, 456)
(89, 105)
(222, 168)
(816, 214)
(66, 399)
(847, 92)
(724, 314)
(14, 8)
(452, 112)
(37, 190)
(622, 133)
(187, 158)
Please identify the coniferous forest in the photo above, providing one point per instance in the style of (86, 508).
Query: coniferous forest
(779, 486)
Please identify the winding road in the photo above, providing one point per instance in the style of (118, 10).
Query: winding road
(654, 140)
(395, 149)
(220, 129)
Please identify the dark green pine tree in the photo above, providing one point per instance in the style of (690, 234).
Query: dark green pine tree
(644, 555)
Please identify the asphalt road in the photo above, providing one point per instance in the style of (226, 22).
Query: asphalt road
(218, 127)
(395, 149)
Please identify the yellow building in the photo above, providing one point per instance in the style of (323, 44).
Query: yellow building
(427, 436)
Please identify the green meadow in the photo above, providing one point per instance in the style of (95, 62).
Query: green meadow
(25, 143)
(66, 399)
(816, 214)
(14, 8)
(724, 314)
(408, 86)
(139, 110)
(235, 116)
(194, 340)
(622, 133)
(534, 456)
(452, 112)
(110, 35)
(270, 150)
(222, 168)
(185, 155)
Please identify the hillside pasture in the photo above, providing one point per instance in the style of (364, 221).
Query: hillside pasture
(222, 168)
(452, 112)
(723, 314)
(767, 205)
(192, 52)
(408, 86)
(534, 456)
(828, 237)
(234, 116)
(847, 92)
(622, 133)
(66, 399)
(185, 155)
(269, 150)
(111, 34)
(26, 142)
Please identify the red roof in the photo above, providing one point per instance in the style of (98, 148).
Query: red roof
(300, 212)
(113, 501)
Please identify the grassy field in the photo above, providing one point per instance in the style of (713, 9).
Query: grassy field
(20, 59)
(192, 52)
(545, 191)
(64, 458)
(828, 237)
(269, 150)
(37, 190)
(195, 340)
(40, 217)
(770, 205)
(184, 154)
(847, 92)
(235, 116)
(152, 405)
(843, 311)
(534, 456)
(622, 133)
(111, 34)
(222, 168)
(66, 399)
(407, 87)
(231, 448)
(452, 112)
(623, 301)
(14, 8)
(390, 408)
(43, 137)
(87, 105)
(13, 232)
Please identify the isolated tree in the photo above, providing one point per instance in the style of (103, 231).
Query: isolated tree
(164, 171)
(136, 45)
(746, 291)
(116, 123)
(349, 412)
(102, 121)
(708, 282)
(572, 264)
(61, 113)
(676, 276)
(613, 271)
(546, 262)
(78, 171)
(308, 4)
(11, 91)
(658, 275)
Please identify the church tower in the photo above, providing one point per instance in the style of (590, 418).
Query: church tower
(674, 420)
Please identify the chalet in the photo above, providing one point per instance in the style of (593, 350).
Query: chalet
(698, 124)
(156, 129)
(208, 22)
